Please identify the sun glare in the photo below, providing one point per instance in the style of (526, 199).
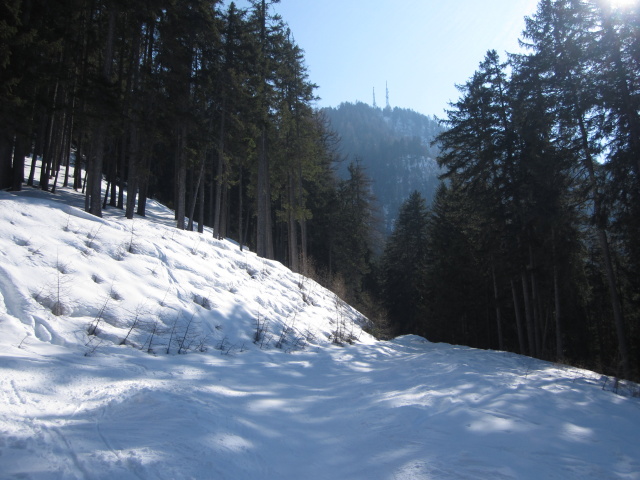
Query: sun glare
(623, 3)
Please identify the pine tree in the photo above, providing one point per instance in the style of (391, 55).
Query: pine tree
(354, 229)
(454, 298)
(404, 266)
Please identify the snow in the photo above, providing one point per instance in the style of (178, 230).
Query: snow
(79, 406)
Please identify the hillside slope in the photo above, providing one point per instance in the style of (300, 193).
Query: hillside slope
(395, 147)
(191, 394)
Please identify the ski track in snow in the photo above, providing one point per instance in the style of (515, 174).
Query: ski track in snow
(400, 410)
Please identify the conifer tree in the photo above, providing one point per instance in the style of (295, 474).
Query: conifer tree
(404, 266)
(355, 229)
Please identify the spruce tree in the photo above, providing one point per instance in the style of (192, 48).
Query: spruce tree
(404, 266)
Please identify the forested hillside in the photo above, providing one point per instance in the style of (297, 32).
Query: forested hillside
(205, 107)
(394, 147)
(532, 243)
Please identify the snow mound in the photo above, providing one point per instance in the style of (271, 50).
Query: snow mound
(87, 283)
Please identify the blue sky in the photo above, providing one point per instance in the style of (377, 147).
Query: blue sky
(422, 48)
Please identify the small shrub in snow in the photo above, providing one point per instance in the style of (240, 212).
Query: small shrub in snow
(297, 343)
(282, 339)
(92, 329)
(262, 327)
(66, 228)
(135, 322)
(63, 268)
(202, 343)
(187, 338)
(203, 301)
(226, 347)
(309, 336)
(35, 252)
(91, 237)
(131, 247)
(153, 331)
(25, 337)
(172, 333)
(194, 249)
(620, 387)
(221, 345)
(58, 309)
(163, 301)
(54, 295)
(121, 252)
(92, 345)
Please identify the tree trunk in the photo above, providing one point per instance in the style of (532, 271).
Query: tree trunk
(199, 184)
(264, 243)
(292, 228)
(516, 307)
(6, 147)
(48, 152)
(240, 207)
(181, 178)
(143, 182)
(615, 303)
(67, 150)
(303, 225)
(535, 303)
(113, 172)
(201, 207)
(60, 142)
(121, 170)
(556, 289)
(19, 152)
(95, 176)
(558, 304)
(38, 149)
(77, 170)
(528, 313)
(264, 230)
(496, 298)
(132, 178)
(224, 216)
(600, 220)
(94, 189)
(220, 173)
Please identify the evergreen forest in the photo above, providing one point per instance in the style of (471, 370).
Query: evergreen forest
(529, 241)
(532, 243)
(205, 107)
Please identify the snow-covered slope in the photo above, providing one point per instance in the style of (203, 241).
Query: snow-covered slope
(220, 405)
(66, 273)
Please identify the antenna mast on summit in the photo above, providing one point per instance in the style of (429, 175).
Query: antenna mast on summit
(387, 87)
(374, 98)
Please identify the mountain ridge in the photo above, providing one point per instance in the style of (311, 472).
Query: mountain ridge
(395, 147)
